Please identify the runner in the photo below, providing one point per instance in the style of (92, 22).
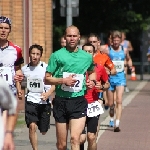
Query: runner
(67, 69)
(127, 47)
(82, 41)
(9, 103)
(62, 41)
(12, 52)
(126, 43)
(105, 49)
(102, 59)
(37, 104)
(118, 81)
(94, 107)
(10, 59)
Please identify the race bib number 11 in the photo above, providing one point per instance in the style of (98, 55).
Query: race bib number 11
(6, 74)
(77, 86)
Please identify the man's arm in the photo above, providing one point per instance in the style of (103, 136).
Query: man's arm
(8, 102)
(110, 67)
(50, 80)
(129, 60)
(104, 79)
(8, 139)
(18, 83)
(48, 93)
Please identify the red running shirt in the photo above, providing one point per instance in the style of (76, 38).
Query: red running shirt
(92, 94)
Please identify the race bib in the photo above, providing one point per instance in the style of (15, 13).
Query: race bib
(35, 85)
(6, 74)
(77, 86)
(94, 109)
(119, 65)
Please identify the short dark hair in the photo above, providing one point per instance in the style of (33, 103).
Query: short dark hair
(39, 47)
(94, 35)
(89, 44)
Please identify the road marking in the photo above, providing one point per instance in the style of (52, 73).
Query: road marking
(126, 101)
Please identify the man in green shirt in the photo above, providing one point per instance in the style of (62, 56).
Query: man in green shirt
(67, 70)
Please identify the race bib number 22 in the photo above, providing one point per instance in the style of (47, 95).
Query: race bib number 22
(77, 86)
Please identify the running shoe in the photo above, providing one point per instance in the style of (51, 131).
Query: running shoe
(127, 89)
(117, 129)
(111, 123)
(106, 107)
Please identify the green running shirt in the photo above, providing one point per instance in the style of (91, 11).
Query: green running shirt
(63, 62)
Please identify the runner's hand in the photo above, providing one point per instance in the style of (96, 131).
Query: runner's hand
(70, 81)
(18, 77)
(90, 84)
(98, 85)
(8, 142)
(19, 93)
(44, 96)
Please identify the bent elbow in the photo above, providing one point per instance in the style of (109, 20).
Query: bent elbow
(47, 81)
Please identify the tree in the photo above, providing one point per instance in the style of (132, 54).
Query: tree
(100, 16)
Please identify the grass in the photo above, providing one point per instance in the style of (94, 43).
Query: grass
(20, 121)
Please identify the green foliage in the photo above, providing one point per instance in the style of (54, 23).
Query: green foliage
(100, 16)
(58, 32)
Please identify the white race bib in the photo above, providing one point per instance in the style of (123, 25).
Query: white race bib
(35, 85)
(78, 85)
(6, 74)
(119, 65)
(94, 109)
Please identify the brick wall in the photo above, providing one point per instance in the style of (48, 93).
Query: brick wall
(41, 23)
(13, 9)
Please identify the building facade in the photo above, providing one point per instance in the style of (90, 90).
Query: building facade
(31, 23)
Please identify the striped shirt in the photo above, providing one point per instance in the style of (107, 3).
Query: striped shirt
(10, 56)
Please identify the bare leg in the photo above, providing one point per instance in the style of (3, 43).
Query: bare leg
(33, 135)
(61, 133)
(76, 128)
(92, 145)
(119, 94)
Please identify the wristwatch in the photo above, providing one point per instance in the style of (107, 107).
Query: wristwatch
(102, 87)
(94, 81)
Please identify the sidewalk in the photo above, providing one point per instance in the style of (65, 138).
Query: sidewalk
(134, 125)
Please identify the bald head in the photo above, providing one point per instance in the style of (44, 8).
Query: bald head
(72, 36)
(72, 27)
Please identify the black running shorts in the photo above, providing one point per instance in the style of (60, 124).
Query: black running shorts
(38, 113)
(65, 109)
(92, 123)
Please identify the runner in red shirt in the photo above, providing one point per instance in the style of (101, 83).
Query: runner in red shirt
(94, 107)
(103, 59)
(102, 78)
